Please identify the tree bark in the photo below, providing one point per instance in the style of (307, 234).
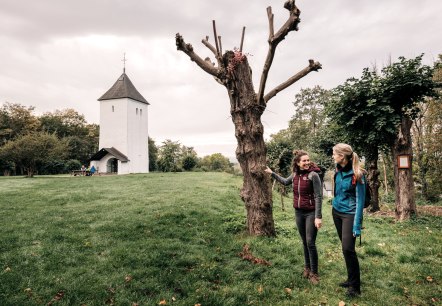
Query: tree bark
(385, 175)
(373, 182)
(403, 178)
(251, 150)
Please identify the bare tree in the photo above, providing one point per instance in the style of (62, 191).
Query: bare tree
(232, 70)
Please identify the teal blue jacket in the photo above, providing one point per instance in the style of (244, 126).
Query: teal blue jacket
(349, 198)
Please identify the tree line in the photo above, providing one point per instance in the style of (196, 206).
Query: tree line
(55, 142)
(383, 114)
(61, 141)
(172, 156)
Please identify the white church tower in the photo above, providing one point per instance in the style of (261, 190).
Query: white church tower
(123, 130)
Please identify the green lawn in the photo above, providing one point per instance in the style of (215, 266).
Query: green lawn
(175, 239)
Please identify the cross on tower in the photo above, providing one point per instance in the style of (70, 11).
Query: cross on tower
(124, 60)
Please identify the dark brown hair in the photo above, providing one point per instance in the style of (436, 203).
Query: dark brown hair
(297, 154)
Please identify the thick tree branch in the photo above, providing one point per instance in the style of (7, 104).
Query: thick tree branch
(291, 24)
(206, 43)
(313, 66)
(274, 39)
(188, 49)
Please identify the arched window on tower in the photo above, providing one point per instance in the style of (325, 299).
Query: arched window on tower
(113, 108)
(141, 112)
(136, 111)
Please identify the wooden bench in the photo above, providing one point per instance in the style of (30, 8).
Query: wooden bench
(79, 172)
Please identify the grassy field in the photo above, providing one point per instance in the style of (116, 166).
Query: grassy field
(175, 239)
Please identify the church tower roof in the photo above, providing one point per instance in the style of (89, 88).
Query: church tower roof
(123, 88)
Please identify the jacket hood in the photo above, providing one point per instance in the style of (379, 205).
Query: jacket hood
(313, 168)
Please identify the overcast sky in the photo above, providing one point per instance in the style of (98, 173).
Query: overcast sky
(65, 54)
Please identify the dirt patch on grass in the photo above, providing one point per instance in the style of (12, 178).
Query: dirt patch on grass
(383, 213)
(428, 210)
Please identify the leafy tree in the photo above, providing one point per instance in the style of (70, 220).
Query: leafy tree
(153, 155)
(16, 120)
(169, 156)
(64, 123)
(81, 136)
(433, 147)
(376, 111)
(362, 117)
(427, 141)
(405, 84)
(309, 104)
(72, 164)
(306, 129)
(216, 162)
(189, 158)
(31, 150)
(279, 149)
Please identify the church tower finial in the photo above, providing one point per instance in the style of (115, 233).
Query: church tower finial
(124, 60)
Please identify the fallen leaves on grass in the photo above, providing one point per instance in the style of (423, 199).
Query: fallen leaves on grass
(28, 291)
(288, 291)
(341, 303)
(246, 254)
(128, 278)
(429, 279)
(260, 289)
(8, 269)
(162, 302)
(406, 292)
(57, 297)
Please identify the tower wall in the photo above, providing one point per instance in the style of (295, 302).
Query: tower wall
(124, 126)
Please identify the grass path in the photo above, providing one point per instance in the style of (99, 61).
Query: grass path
(174, 238)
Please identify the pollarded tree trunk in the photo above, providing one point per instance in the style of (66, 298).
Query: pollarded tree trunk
(246, 114)
(233, 71)
(403, 178)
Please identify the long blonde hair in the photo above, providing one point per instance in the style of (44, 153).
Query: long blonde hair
(347, 151)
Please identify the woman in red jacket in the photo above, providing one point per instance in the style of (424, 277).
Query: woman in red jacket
(307, 201)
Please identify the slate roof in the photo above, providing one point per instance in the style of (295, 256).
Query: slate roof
(117, 154)
(123, 88)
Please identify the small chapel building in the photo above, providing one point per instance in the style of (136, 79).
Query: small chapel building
(123, 138)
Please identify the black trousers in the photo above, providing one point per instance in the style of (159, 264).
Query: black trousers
(305, 221)
(344, 227)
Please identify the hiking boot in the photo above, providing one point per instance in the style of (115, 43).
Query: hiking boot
(345, 284)
(353, 292)
(314, 278)
(306, 272)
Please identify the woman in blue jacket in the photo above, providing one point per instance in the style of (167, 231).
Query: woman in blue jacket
(348, 206)
(307, 201)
